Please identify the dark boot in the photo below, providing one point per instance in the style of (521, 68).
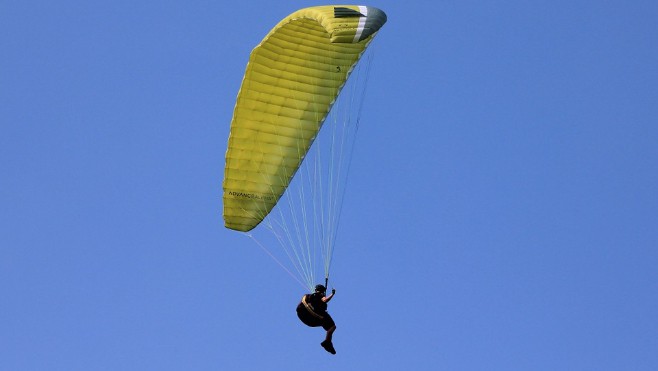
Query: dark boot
(328, 346)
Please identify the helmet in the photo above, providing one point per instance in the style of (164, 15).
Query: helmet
(320, 288)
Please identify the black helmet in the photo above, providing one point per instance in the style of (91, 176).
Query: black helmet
(320, 288)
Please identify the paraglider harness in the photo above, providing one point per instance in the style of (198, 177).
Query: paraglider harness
(307, 314)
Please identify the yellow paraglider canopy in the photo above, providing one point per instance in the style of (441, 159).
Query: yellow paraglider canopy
(291, 81)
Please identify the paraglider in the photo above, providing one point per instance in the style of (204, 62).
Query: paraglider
(290, 88)
(312, 311)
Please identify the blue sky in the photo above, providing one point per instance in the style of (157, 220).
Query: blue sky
(502, 211)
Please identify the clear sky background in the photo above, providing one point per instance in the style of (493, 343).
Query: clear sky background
(502, 211)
